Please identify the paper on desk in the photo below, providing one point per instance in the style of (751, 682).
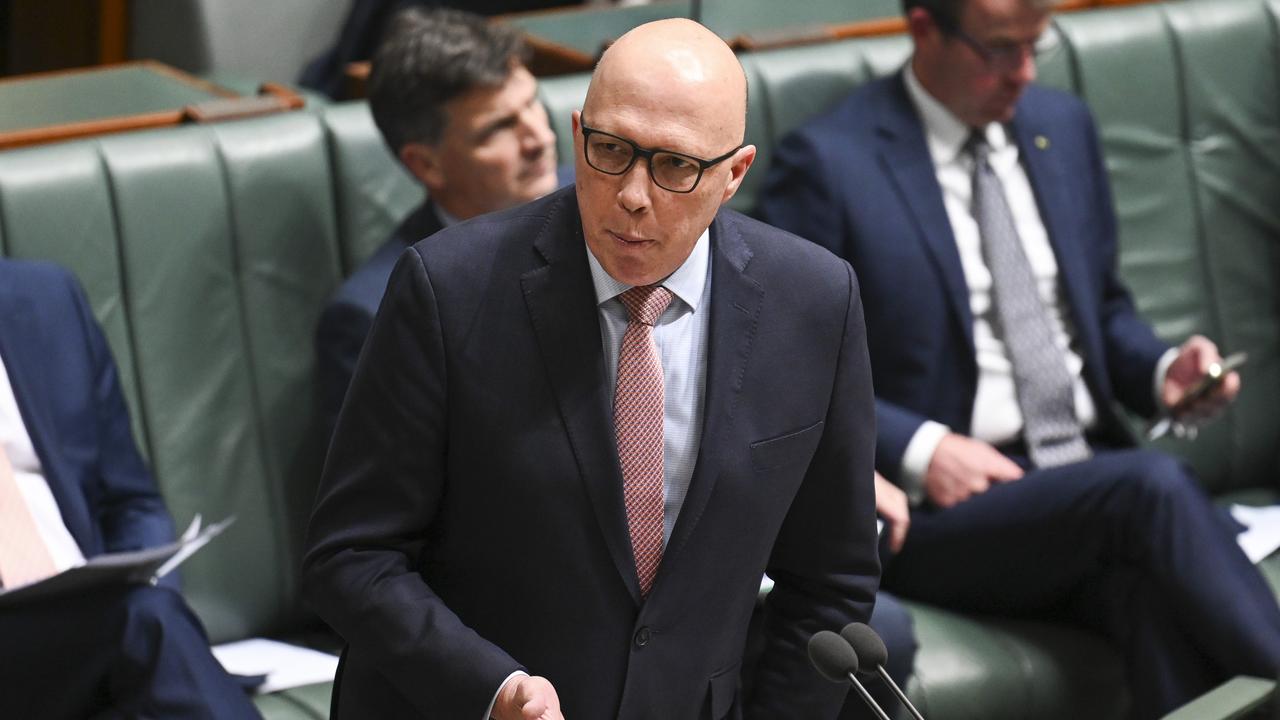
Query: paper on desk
(285, 666)
(1262, 536)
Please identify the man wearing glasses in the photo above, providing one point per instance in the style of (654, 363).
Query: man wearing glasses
(976, 210)
(584, 427)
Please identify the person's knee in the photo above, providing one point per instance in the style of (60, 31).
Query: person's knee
(892, 621)
(1159, 479)
(152, 613)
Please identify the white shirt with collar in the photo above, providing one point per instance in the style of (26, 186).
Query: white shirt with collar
(997, 417)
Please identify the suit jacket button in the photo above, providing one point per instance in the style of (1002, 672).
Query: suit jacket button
(642, 637)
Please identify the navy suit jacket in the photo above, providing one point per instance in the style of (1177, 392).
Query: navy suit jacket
(345, 321)
(68, 393)
(470, 520)
(860, 181)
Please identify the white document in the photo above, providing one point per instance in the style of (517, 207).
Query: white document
(1262, 536)
(285, 666)
(138, 566)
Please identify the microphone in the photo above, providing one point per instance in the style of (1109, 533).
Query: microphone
(871, 652)
(836, 660)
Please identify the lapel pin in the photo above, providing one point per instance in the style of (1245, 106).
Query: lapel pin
(1042, 142)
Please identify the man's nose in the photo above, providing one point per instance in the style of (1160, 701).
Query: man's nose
(1025, 71)
(535, 131)
(633, 195)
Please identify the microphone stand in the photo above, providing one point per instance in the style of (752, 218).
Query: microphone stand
(902, 697)
(866, 698)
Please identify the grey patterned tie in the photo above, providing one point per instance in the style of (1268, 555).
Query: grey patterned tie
(1043, 384)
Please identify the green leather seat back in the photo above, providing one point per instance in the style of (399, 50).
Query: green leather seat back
(1187, 99)
(207, 252)
(56, 204)
(373, 191)
(562, 95)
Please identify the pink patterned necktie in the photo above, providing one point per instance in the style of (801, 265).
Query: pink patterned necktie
(637, 423)
(24, 558)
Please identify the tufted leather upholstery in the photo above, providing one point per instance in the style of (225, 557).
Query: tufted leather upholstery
(208, 251)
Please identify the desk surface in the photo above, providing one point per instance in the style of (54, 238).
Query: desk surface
(588, 29)
(82, 96)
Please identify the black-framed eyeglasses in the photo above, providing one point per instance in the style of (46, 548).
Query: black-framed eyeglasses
(672, 171)
(1006, 57)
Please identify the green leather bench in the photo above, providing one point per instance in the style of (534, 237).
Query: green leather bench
(208, 252)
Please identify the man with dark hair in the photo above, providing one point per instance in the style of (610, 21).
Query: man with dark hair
(583, 428)
(456, 105)
(976, 209)
(73, 486)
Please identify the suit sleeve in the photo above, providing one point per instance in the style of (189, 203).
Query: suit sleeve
(340, 335)
(1132, 348)
(380, 491)
(824, 562)
(128, 504)
(798, 196)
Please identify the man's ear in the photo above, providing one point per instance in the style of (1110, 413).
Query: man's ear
(739, 164)
(423, 162)
(920, 25)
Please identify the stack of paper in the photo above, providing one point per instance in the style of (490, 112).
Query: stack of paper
(285, 666)
(1262, 536)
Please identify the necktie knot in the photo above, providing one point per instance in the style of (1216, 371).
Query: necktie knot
(977, 147)
(646, 303)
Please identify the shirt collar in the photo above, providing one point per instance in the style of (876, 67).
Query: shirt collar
(686, 283)
(946, 133)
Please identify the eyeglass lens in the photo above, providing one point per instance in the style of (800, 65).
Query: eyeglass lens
(614, 156)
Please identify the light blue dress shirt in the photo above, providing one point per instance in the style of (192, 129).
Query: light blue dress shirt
(681, 337)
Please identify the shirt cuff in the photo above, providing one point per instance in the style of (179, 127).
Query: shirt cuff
(916, 459)
(489, 714)
(1162, 371)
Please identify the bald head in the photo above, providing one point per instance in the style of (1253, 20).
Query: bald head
(668, 148)
(681, 65)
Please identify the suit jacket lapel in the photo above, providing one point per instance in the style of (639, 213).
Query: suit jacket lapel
(736, 301)
(1050, 183)
(905, 156)
(26, 371)
(561, 302)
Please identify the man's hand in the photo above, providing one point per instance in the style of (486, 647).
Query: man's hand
(962, 467)
(1193, 361)
(527, 698)
(892, 506)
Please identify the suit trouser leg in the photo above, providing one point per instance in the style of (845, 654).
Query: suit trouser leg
(130, 653)
(892, 623)
(1064, 543)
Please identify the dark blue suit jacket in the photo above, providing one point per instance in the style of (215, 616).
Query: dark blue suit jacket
(470, 520)
(69, 395)
(345, 321)
(860, 181)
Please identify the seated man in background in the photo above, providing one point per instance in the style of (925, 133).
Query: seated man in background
(73, 486)
(976, 210)
(456, 105)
